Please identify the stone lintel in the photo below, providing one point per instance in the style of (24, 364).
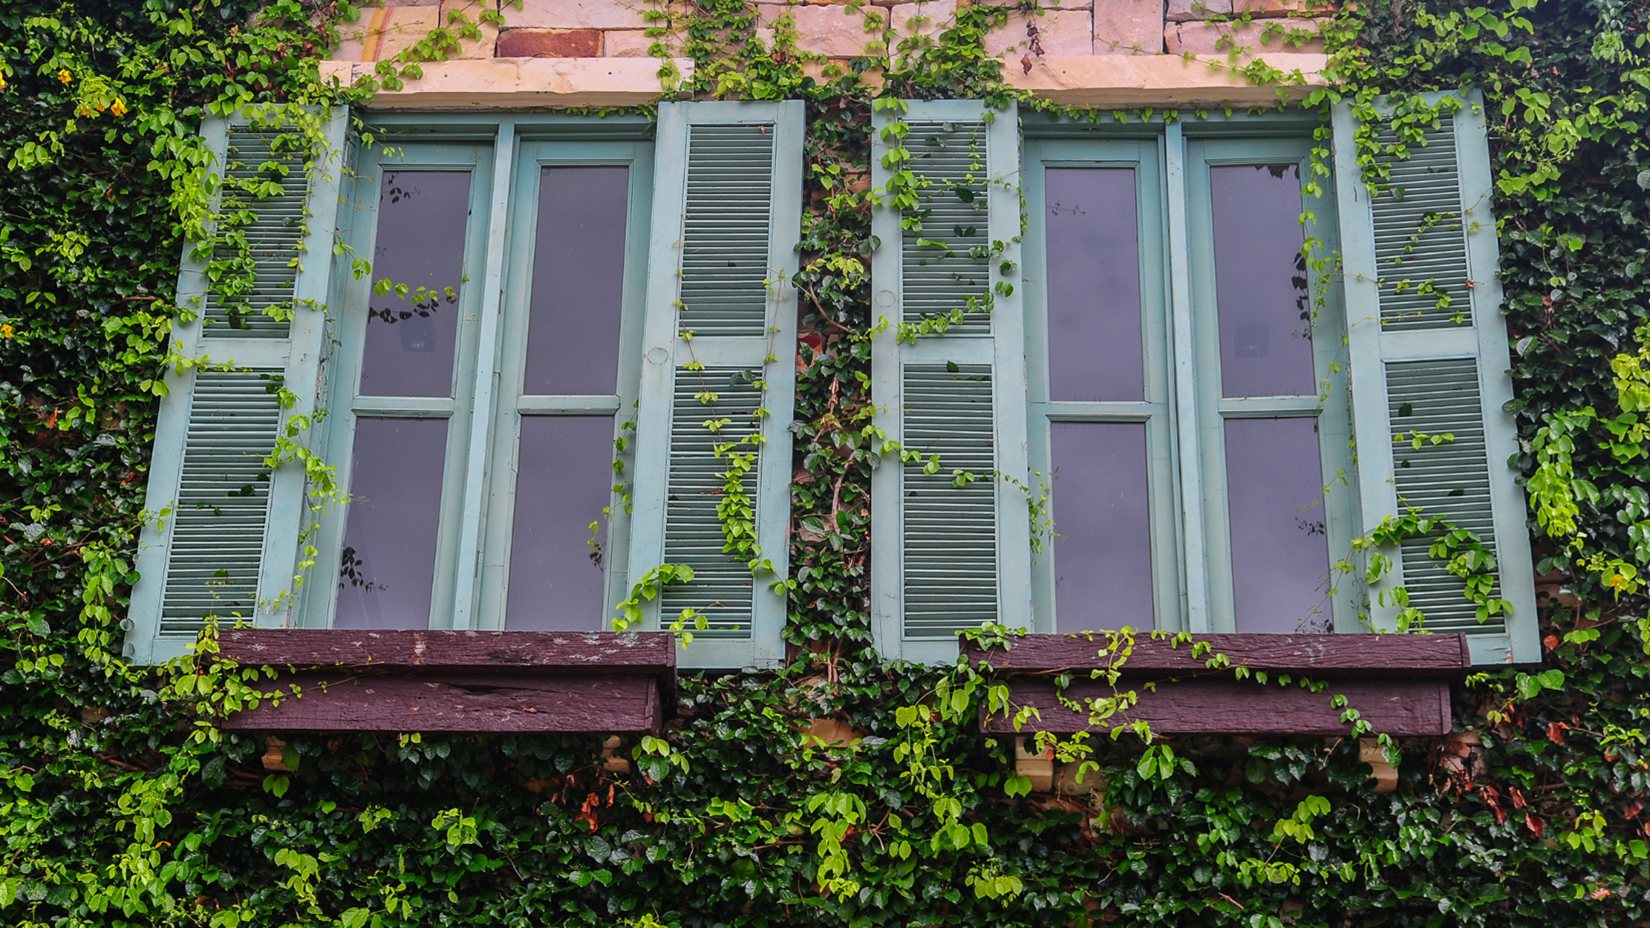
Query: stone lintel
(1158, 80)
(519, 82)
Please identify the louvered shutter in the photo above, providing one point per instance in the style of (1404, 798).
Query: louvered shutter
(949, 557)
(224, 540)
(1423, 366)
(719, 347)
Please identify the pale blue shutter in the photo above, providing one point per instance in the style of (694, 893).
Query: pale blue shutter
(949, 557)
(1420, 364)
(224, 538)
(719, 346)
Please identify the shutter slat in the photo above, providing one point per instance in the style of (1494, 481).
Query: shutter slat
(726, 229)
(950, 543)
(223, 501)
(255, 156)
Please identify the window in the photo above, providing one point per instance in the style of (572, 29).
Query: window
(1186, 387)
(1256, 447)
(530, 328)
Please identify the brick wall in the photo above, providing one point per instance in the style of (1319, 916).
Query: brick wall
(1062, 29)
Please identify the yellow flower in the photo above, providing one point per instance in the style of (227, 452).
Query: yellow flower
(64, 75)
(5, 330)
(2, 81)
(119, 109)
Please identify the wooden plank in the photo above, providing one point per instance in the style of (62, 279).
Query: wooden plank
(568, 652)
(507, 702)
(1402, 708)
(1195, 596)
(481, 418)
(1337, 655)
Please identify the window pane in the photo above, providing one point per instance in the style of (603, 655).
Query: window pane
(1094, 350)
(564, 480)
(1102, 526)
(1280, 554)
(411, 339)
(388, 566)
(1260, 281)
(578, 276)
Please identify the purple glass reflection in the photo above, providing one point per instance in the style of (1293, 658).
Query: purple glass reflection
(385, 577)
(1102, 526)
(1260, 281)
(563, 482)
(1094, 350)
(411, 339)
(578, 281)
(1280, 553)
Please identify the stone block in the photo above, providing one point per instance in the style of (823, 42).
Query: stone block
(1257, 37)
(1282, 7)
(1128, 27)
(1060, 33)
(384, 31)
(1187, 10)
(1124, 81)
(831, 69)
(472, 48)
(550, 43)
(522, 82)
(1068, 4)
(577, 14)
(832, 31)
(933, 16)
(627, 43)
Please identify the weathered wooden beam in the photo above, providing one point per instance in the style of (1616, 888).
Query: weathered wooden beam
(458, 681)
(595, 652)
(1402, 708)
(1325, 655)
(340, 701)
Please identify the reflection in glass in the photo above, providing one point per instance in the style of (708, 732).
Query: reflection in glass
(384, 578)
(1280, 552)
(1102, 525)
(564, 480)
(578, 277)
(1094, 350)
(412, 331)
(1260, 281)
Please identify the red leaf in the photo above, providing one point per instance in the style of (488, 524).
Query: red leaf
(1535, 825)
(1551, 641)
(1555, 732)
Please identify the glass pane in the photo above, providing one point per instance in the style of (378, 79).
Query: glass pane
(1094, 350)
(578, 277)
(1280, 553)
(1102, 527)
(411, 339)
(564, 480)
(387, 571)
(1260, 281)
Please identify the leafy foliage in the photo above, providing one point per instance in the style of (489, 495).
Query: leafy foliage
(121, 804)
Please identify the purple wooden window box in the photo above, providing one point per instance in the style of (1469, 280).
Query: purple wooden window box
(458, 681)
(1400, 683)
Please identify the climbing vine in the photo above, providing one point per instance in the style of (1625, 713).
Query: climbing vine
(122, 802)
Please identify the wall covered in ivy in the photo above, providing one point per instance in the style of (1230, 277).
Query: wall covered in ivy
(121, 804)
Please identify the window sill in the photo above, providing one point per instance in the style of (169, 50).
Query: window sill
(1399, 683)
(458, 682)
